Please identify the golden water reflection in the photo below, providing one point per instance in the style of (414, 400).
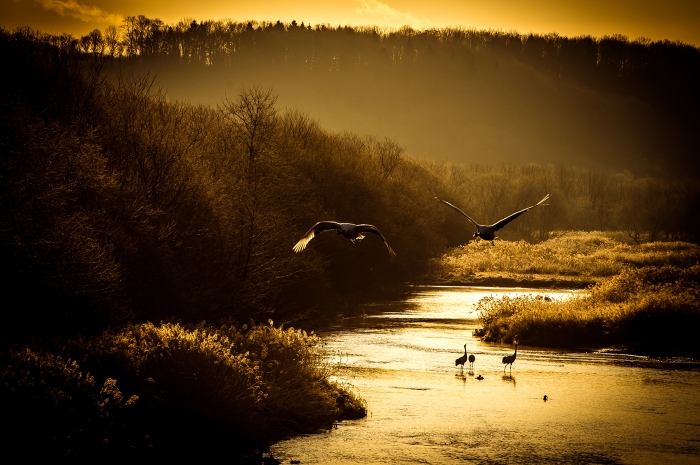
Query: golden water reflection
(601, 407)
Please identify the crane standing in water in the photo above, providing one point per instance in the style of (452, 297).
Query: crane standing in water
(509, 359)
(462, 359)
(471, 361)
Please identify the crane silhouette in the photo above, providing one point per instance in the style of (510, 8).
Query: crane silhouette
(471, 361)
(509, 359)
(353, 232)
(462, 359)
(488, 232)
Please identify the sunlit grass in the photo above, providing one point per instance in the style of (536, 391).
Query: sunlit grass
(242, 387)
(582, 256)
(651, 310)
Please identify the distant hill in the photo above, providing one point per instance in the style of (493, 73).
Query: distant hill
(449, 94)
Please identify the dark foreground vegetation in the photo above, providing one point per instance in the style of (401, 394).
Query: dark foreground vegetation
(646, 299)
(168, 390)
(120, 207)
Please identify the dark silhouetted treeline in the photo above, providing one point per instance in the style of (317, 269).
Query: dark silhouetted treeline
(604, 102)
(118, 204)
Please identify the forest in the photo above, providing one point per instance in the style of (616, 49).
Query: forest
(451, 94)
(122, 207)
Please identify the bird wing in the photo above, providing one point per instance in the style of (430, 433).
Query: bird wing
(508, 219)
(318, 228)
(361, 228)
(458, 210)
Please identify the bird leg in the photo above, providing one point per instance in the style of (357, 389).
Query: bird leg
(357, 240)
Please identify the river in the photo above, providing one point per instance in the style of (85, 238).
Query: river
(601, 407)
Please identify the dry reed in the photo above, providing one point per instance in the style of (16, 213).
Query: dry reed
(584, 256)
(650, 310)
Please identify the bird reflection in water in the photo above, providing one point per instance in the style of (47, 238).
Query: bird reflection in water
(509, 379)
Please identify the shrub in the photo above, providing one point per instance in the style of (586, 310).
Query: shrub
(198, 390)
(651, 310)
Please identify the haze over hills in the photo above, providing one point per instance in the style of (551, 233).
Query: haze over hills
(461, 95)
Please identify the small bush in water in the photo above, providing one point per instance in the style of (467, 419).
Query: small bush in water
(652, 310)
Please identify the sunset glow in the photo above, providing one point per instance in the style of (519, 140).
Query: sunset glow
(676, 20)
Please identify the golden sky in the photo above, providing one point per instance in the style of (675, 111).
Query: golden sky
(656, 19)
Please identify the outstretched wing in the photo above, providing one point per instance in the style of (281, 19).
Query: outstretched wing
(458, 210)
(362, 228)
(508, 219)
(318, 228)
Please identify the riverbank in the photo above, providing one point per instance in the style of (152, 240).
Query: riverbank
(170, 391)
(651, 311)
(569, 258)
(640, 298)
(529, 282)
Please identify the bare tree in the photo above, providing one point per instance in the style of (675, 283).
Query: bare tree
(93, 43)
(113, 46)
(389, 155)
(254, 121)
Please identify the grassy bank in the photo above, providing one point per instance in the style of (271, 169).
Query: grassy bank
(572, 256)
(168, 390)
(649, 310)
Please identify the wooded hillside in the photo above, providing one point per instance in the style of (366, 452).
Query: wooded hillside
(449, 94)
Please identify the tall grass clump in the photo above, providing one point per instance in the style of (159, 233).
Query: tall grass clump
(582, 256)
(649, 310)
(193, 390)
